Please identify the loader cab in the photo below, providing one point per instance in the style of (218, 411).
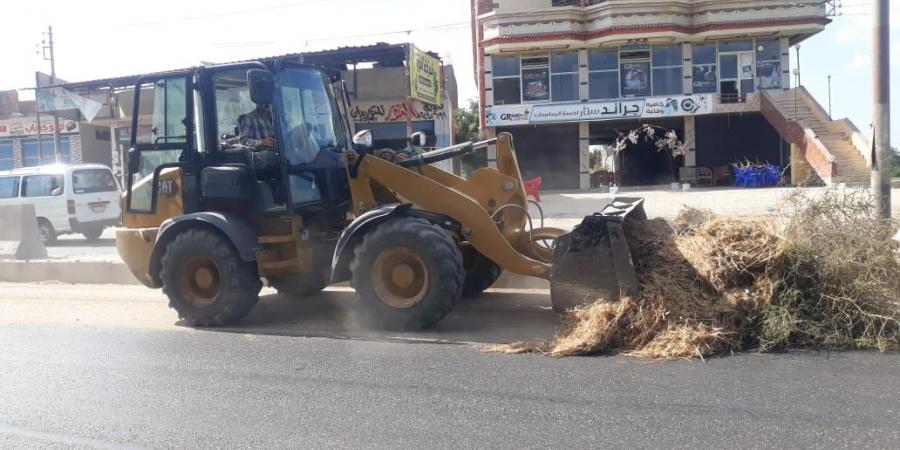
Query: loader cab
(191, 121)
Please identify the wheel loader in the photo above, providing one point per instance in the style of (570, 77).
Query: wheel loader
(210, 217)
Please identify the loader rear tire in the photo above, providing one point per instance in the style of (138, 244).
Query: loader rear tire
(408, 274)
(481, 273)
(206, 280)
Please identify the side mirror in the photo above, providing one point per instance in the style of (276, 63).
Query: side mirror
(419, 139)
(56, 192)
(262, 86)
(363, 139)
(134, 161)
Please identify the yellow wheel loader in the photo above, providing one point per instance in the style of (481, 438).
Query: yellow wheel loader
(213, 209)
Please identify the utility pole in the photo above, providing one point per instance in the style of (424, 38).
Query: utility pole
(829, 97)
(881, 167)
(53, 82)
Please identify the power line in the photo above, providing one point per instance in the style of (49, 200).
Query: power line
(224, 13)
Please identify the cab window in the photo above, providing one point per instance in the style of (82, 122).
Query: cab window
(308, 116)
(232, 101)
(42, 186)
(9, 187)
(91, 181)
(166, 102)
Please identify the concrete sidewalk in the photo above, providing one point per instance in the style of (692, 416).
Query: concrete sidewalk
(74, 260)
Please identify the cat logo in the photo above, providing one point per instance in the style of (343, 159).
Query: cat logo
(167, 188)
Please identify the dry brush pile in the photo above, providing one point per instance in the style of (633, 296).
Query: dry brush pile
(825, 274)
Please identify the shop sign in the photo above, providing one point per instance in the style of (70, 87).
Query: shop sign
(678, 105)
(536, 85)
(705, 78)
(425, 78)
(577, 112)
(636, 79)
(507, 115)
(391, 112)
(59, 99)
(29, 127)
(768, 75)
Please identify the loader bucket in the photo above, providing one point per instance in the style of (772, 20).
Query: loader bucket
(594, 262)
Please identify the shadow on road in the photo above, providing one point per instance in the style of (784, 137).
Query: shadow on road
(494, 317)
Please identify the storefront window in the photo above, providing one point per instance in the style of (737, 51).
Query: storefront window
(603, 66)
(667, 70)
(34, 156)
(564, 78)
(6, 155)
(507, 84)
(705, 75)
(768, 64)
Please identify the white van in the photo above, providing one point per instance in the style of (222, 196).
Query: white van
(67, 199)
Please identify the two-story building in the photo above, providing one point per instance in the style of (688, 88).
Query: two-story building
(567, 77)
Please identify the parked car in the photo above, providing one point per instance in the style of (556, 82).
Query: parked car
(67, 199)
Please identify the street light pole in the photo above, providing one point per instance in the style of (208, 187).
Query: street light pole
(881, 164)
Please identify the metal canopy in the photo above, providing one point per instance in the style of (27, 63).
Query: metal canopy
(383, 54)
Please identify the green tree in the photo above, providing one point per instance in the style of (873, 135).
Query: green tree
(895, 173)
(467, 127)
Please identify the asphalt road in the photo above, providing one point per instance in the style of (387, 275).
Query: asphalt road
(109, 367)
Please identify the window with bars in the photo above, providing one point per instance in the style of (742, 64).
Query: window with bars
(6, 155)
(32, 155)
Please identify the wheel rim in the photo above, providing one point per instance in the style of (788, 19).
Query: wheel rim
(45, 232)
(399, 277)
(201, 282)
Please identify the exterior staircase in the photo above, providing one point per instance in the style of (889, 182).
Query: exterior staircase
(835, 149)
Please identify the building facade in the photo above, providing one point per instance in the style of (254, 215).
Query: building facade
(568, 77)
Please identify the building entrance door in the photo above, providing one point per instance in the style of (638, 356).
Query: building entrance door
(736, 76)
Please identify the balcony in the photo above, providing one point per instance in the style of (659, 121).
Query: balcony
(595, 22)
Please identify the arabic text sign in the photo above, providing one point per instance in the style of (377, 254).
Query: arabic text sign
(425, 79)
(587, 111)
(678, 105)
(388, 111)
(506, 115)
(29, 127)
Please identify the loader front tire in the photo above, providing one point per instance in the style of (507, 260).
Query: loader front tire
(408, 274)
(481, 273)
(207, 282)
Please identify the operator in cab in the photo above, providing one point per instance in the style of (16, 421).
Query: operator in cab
(257, 128)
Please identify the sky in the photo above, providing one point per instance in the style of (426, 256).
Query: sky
(106, 38)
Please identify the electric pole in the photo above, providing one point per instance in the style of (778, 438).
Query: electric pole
(53, 82)
(830, 116)
(881, 164)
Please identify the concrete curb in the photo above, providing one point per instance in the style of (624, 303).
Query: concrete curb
(102, 272)
(66, 272)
